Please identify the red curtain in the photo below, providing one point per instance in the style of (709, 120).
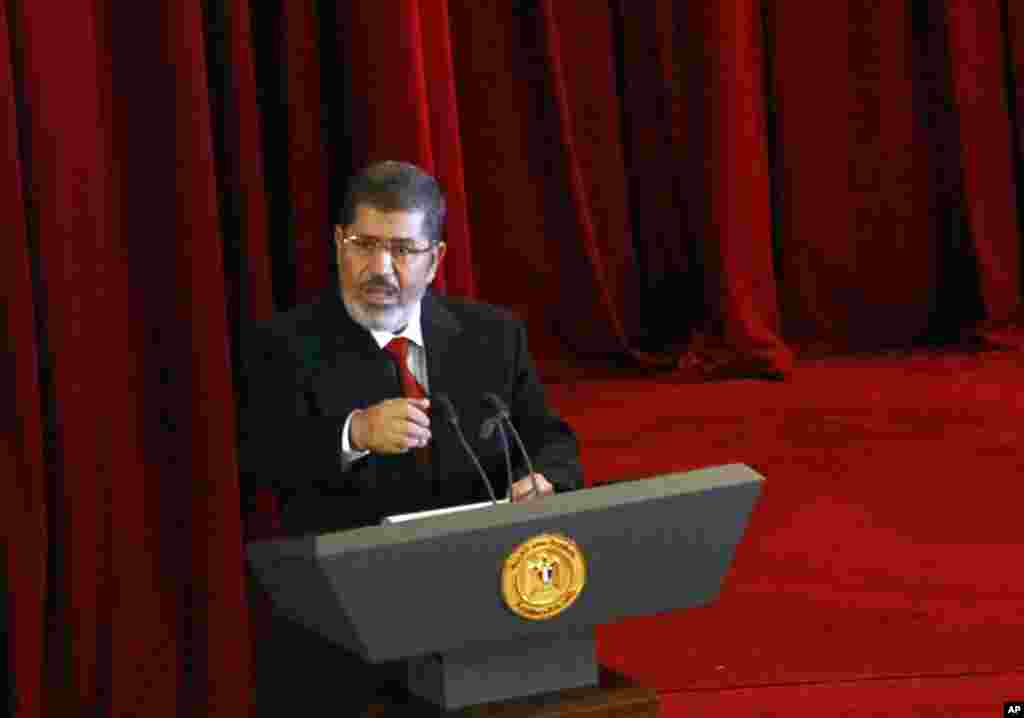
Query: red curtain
(127, 289)
(710, 189)
(980, 53)
(23, 484)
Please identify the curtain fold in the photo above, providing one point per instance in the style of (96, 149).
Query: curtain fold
(741, 291)
(981, 89)
(1014, 16)
(516, 206)
(22, 464)
(654, 65)
(308, 224)
(175, 521)
(853, 191)
(244, 204)
(143, 493)
(702, 191)
(457, 275)
(214, 612)
(244, 209)
(65, 207)
(582, 83)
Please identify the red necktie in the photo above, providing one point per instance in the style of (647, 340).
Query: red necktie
(398, 348)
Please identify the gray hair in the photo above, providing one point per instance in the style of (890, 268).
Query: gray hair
(393, 186)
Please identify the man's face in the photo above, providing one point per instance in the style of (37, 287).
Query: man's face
(379, 290)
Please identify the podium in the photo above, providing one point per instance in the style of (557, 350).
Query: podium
(499, 604)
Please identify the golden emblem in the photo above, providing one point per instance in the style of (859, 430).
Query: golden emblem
(543, 576)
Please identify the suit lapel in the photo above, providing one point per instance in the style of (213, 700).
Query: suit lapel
(440, 327)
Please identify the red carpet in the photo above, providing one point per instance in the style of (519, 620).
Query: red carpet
(882, 572)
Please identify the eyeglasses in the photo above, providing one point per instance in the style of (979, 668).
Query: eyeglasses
(401, 250)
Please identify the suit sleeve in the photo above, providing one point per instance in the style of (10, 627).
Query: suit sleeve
(284, 441)
(549, 440)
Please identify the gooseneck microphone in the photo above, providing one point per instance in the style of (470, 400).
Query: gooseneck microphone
(453, 419)
(505, 415)
(486, 430)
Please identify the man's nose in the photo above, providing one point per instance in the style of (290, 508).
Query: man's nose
(381, 261)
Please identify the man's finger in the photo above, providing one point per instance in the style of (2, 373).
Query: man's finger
(416, 437)
(417, 415)
(543, 485)
(523, 489)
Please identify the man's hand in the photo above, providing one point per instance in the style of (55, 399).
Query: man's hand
(522, 490)
(391, 427)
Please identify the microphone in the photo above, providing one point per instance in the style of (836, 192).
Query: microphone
(486, 430)
(453, 419)
(504, 413)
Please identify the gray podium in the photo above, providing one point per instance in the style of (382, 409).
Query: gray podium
(430, 590)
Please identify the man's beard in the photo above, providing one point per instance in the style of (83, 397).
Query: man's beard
(385, 319)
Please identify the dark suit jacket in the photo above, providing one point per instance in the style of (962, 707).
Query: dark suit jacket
(307, 369)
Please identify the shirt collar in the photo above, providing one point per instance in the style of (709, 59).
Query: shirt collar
(413, 330)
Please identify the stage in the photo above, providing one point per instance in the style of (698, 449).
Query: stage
(880, 573)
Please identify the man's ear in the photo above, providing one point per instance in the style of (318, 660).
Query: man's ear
(441, 249)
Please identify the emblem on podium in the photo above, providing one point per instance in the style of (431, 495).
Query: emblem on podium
(543, 576)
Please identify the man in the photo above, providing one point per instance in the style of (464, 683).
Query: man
(345, 432)
(342, 427)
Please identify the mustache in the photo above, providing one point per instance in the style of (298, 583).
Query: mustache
(381, 284)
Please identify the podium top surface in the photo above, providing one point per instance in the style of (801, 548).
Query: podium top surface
(550, 507)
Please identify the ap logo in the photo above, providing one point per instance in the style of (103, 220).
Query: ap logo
(1014, 708)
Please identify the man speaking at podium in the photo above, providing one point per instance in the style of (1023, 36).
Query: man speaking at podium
(338, 416)
(342, 414)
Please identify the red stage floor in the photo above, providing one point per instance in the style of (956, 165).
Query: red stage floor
(883, 564)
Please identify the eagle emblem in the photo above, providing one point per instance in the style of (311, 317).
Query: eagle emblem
(543, 576)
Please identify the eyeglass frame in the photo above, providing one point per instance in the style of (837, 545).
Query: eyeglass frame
(397, 253)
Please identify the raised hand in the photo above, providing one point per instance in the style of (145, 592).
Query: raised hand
(392, 426)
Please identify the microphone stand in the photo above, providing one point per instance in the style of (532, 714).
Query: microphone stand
(486, 430)
(505, 415)
(453, 419)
